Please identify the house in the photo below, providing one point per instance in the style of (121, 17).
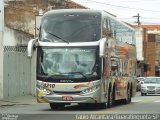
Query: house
(148, 47)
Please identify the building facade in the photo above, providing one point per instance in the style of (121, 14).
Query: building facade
(149, 65)
(20, 14)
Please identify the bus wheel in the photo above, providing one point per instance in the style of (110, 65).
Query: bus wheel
(56, 105)
(128, 97)
(111, 100)
(102, 105)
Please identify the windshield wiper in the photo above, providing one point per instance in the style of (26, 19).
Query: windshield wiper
(57, 37)
(55, 76)
(80, 74)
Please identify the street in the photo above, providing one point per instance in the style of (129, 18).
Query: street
(149, 105)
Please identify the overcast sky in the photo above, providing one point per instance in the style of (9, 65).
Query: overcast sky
(149, 10)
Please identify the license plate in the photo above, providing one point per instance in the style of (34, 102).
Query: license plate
(67, 98)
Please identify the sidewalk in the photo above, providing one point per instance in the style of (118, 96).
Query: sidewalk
(22, 100)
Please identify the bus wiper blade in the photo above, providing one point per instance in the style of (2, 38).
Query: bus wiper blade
(46, 77)
(79, 73)
(57, 37)
(56, 75)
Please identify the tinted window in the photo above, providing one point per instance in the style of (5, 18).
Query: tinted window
(71, 28)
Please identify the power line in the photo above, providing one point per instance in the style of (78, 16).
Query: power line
(123, 6)
(141, 18)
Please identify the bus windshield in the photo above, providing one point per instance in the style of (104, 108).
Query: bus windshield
(68, 63)
(71, 28)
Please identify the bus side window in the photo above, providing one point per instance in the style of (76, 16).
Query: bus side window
(114, 68)
(105, 28)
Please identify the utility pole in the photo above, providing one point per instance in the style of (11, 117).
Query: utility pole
(138, 19)
(1, 47)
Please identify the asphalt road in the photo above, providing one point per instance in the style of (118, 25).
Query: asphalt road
(141, 108)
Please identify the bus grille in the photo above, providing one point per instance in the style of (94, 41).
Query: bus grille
(67, 92)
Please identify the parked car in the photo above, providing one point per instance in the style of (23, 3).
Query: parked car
(140, 80)
(151, 85)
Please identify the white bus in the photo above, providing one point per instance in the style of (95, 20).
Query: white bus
(84, 56)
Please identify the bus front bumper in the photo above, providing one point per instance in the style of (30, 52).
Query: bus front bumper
(93, 97)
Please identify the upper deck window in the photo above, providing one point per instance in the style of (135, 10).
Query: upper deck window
(71, 27)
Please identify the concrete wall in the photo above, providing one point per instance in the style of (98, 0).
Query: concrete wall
(17, 71)
(1, 46)
(1, 64)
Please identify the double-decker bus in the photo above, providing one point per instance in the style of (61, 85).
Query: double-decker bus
(84, 56)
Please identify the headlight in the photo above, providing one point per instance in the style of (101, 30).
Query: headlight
(45, 91)
(88, 90)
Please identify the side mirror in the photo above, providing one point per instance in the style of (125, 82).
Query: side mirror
(102, 47)
(31, 44)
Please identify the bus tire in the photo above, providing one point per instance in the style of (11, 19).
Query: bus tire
(54, 106)
(102, 105)
(111, 100)
(128, 97)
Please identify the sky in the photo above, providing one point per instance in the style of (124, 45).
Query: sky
(149, 10)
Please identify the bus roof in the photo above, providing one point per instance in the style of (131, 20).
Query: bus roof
(59, 11)
(85, 11)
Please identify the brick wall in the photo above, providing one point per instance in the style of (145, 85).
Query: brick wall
(150, 54)
(75, 5)
(20, 15)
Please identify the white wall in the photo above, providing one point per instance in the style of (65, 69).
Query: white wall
(16, 66)
(1, 65)
(139, 44)
(1, 46)
(17, 72)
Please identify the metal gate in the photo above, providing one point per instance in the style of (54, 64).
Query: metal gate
(17, 71)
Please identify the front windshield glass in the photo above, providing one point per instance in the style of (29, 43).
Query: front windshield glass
(152, 80)
(71, 28)
(67, 63)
